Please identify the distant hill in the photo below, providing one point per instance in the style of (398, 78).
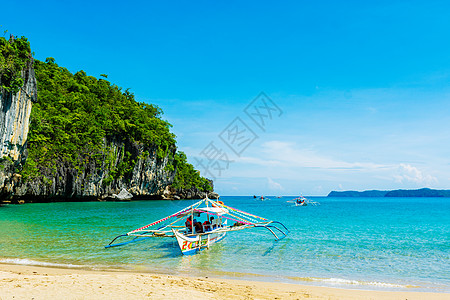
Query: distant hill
(373, 193)
(425, 192)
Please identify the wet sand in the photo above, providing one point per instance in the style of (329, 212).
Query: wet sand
(31, 282)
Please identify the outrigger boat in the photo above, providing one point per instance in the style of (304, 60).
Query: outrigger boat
(302, 201)
(195, 236)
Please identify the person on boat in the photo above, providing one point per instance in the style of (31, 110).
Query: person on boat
(213, 225)
(207, 225)
(188, 223)
(198, 226)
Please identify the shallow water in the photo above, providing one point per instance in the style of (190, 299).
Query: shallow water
(367, 243)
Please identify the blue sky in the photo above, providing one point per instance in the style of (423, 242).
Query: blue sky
(362, 89)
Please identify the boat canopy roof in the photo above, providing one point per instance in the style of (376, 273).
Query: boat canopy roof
(210, 209)
(214, 210)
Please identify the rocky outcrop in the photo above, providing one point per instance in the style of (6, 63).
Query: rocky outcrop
(99, 179)
(150, 178)
(192, 193)
(15, 110)
(123, 195)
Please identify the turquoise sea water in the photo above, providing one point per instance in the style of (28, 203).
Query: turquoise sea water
(367, 243)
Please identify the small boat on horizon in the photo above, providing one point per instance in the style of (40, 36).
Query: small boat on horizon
(302, 201)
(194, 235)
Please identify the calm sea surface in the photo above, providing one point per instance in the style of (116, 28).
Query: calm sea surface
(367, 243)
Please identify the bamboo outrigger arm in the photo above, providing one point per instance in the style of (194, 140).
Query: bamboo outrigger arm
(269, 227)
(136, 239)
(281, 225)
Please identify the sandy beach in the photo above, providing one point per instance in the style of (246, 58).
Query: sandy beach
(31, 282)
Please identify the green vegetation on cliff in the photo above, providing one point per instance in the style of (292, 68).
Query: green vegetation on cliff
(74, 115)
(75, 112)
(187, 177)
(15, 53)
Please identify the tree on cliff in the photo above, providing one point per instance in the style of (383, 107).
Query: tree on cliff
(14, 56)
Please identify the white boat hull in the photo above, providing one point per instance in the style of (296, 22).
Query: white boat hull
(194, 243)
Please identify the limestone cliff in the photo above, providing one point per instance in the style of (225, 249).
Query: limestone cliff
(98, 177)
(147, 179)
(15, 109)
(85, 139)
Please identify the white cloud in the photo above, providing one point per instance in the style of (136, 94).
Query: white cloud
(408, 174)
(318, 190)
(285, 154)
(362, 139)
(274, 185)
(290, 162)
(258, 161)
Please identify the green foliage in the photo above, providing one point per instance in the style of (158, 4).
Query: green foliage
(74, 114)
(5, 161)
(186, 176)
(14, 56)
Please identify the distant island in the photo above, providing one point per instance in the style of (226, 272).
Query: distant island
(425, 192)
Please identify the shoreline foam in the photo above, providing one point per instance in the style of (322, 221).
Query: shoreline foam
(340, 283)
(38, 282)
(316, 281)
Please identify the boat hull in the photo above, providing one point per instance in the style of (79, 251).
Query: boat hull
(193, 244)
